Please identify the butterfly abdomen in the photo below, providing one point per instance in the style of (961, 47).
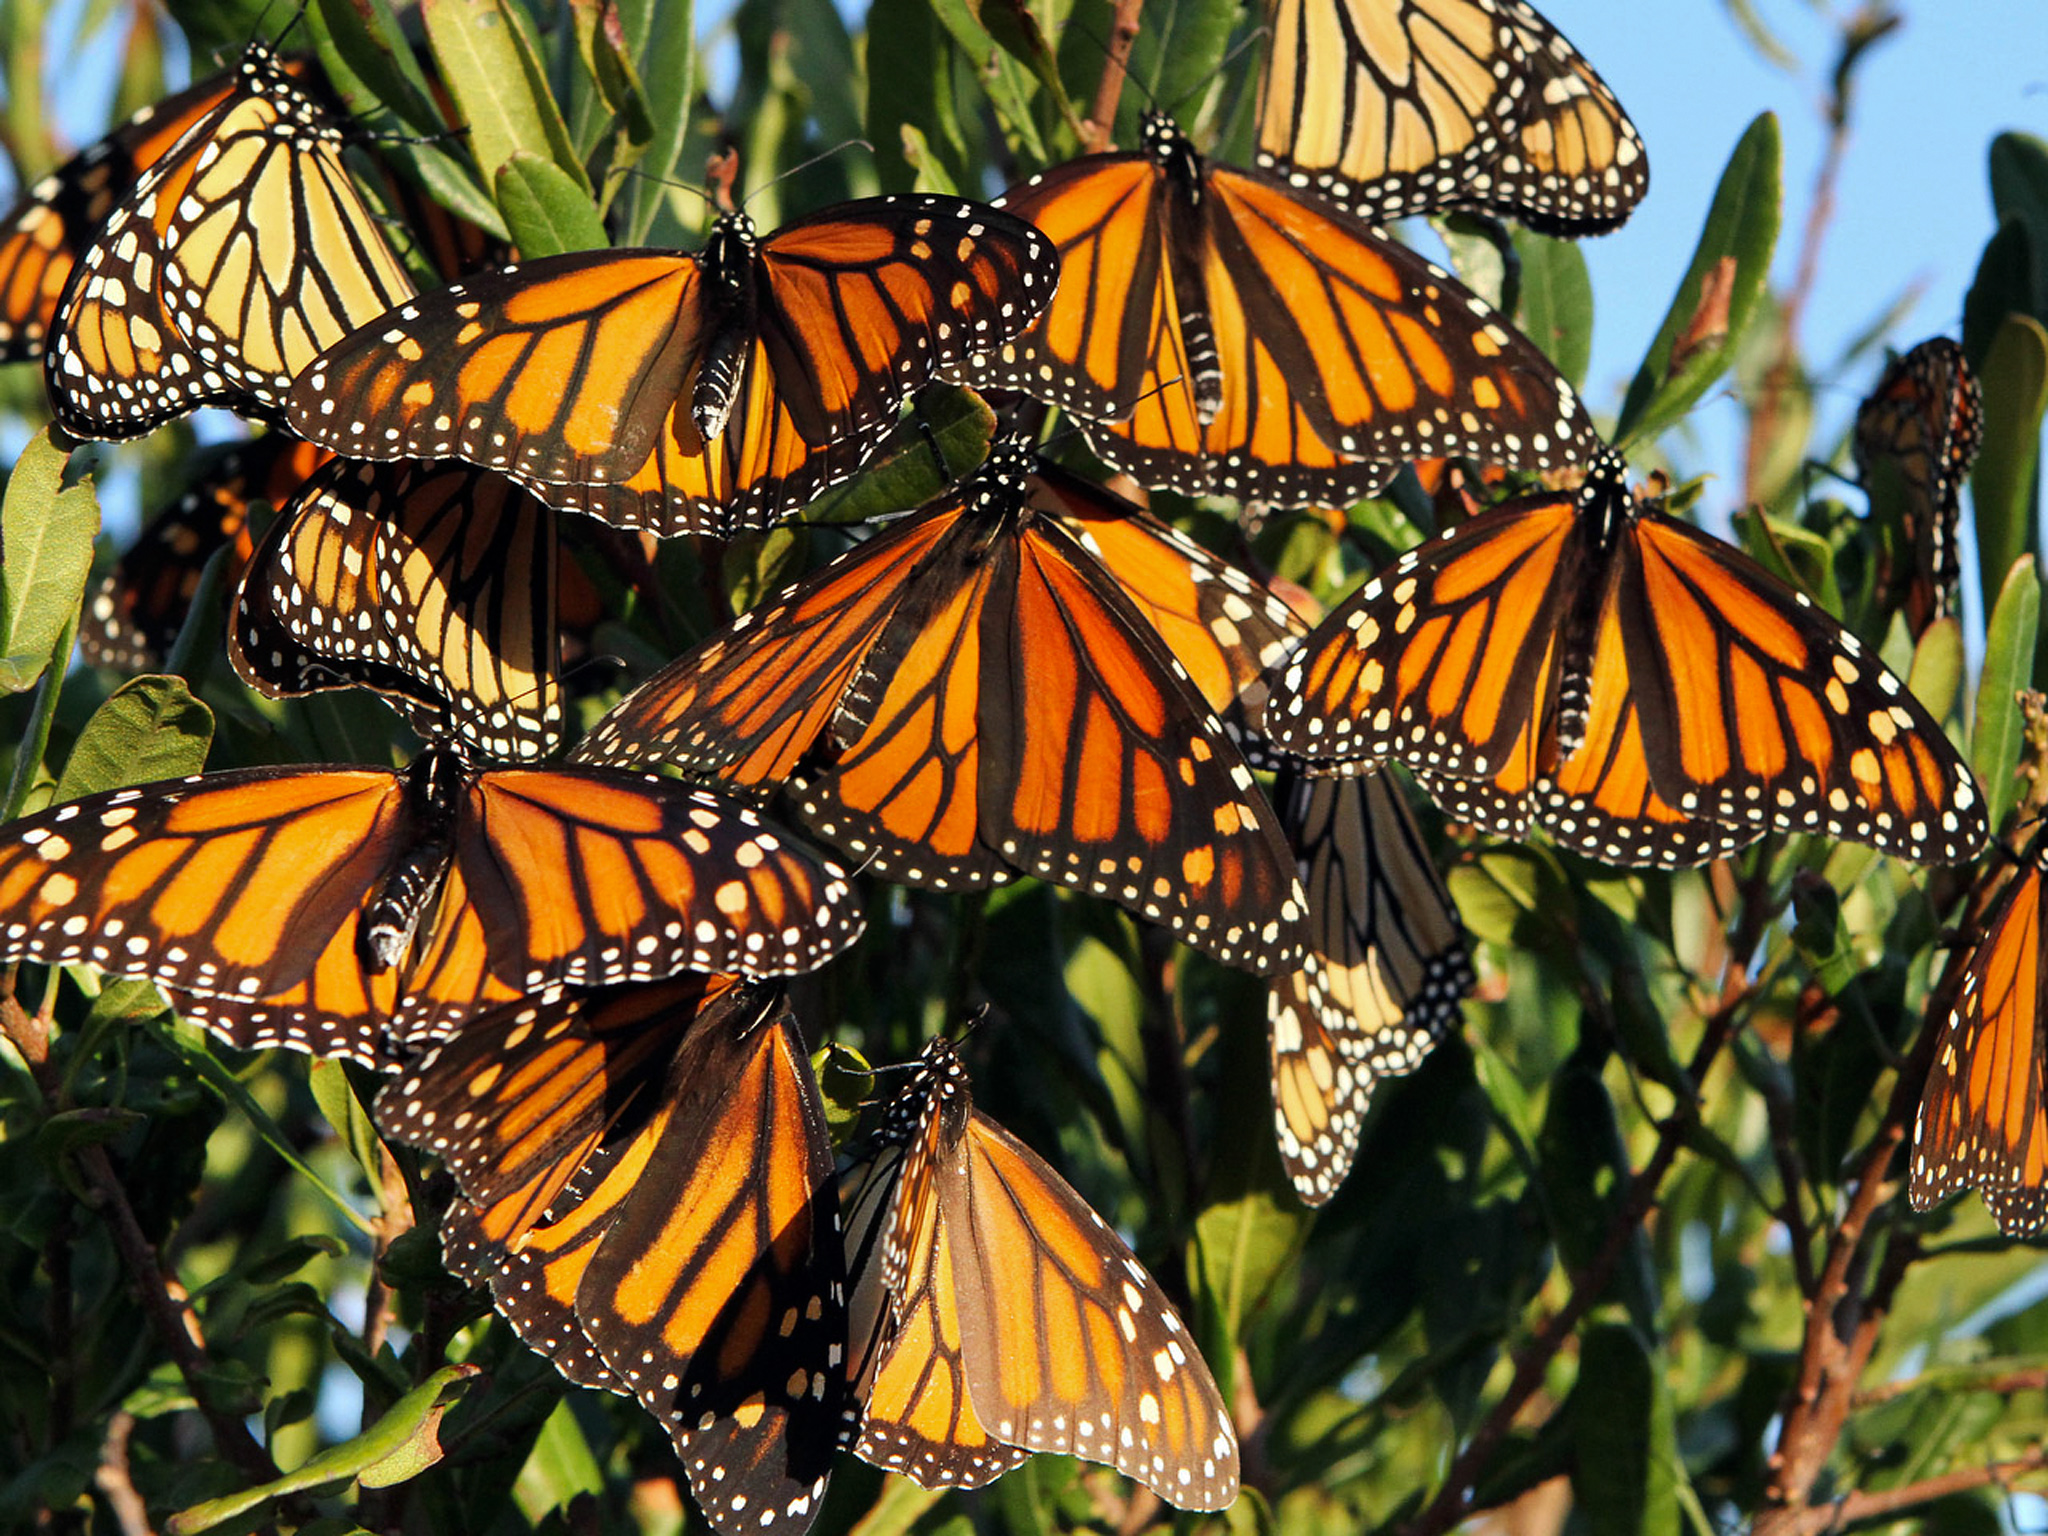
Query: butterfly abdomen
(729, 263)
(391, 919)
(1185, 217)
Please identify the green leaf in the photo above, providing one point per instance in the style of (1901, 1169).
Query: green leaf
(35, 738)
(1585, 1179)
(607, 54)
(1734, 257)
(335, 1092)
(46, 534)
(188, 1044)
(913, 118)
(2003, 285)
(1623, 1428)
(150, 728)
(2019, 192)
(1557, 301)
(560, 1467)
(974, 28)
(2009, 648)
(402, 1443)
(2002, 496)
(547, 210)
(670, 60)
(499, 84)
(957, 421)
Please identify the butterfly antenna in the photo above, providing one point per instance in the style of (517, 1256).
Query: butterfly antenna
(804, 165)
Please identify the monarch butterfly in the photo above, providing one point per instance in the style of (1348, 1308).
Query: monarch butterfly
(138, 609)
(1382, 980)
(1647, 693)
(1916, 439)
(688, 393)
(1386, 961)
(42, 234)
(969, 695)
(1263, 343)
(646, 1185)
(1984, 1113)
(1395, 107)
(321, 908)
(995, 1314)
(432, 583)
(239, 255)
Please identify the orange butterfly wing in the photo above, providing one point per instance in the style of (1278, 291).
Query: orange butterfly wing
(526, 1106)
(904, 1352)
(1263, 344)
(1917, 437)
(1381, 984)
(718, 1291)
(1060, 1339)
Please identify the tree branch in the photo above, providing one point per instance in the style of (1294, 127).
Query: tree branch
(1844, 1513)
(1101, 121)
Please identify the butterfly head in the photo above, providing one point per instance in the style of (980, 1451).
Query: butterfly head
(1164, 142)
(728, 255)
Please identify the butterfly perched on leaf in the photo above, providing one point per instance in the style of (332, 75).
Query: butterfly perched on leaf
(135, 614)
(680, 392)
(1646, 693)
(435, 584)
(1917, 437)
(238, 256)
(329, 908)
(994, 1314)
(1983, 1118)
(646, 1185)
(1221, 332)
(969, 695)
(1386, 964)
(1398, 107)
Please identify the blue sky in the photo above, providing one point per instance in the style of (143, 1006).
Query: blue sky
(1913, 206)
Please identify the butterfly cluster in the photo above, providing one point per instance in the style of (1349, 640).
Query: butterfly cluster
(571, 950)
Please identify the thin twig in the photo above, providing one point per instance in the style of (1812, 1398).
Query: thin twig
(1872, 23)
(177, 1329)
(114, 1480)
(1109, 90)
(1841, 1514)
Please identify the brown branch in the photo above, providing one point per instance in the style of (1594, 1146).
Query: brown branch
(1842, 1326)
(177, 1329)
(1109, 90)
(114, 1480)
(1855, 1508)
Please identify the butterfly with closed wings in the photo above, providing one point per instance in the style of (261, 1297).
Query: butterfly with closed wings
(1646, 693)
(197, 292)
(688, 393)
(435, 584)
(1917, 437)
(646, 1186)
(1983, 1117)
(994, 1314)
